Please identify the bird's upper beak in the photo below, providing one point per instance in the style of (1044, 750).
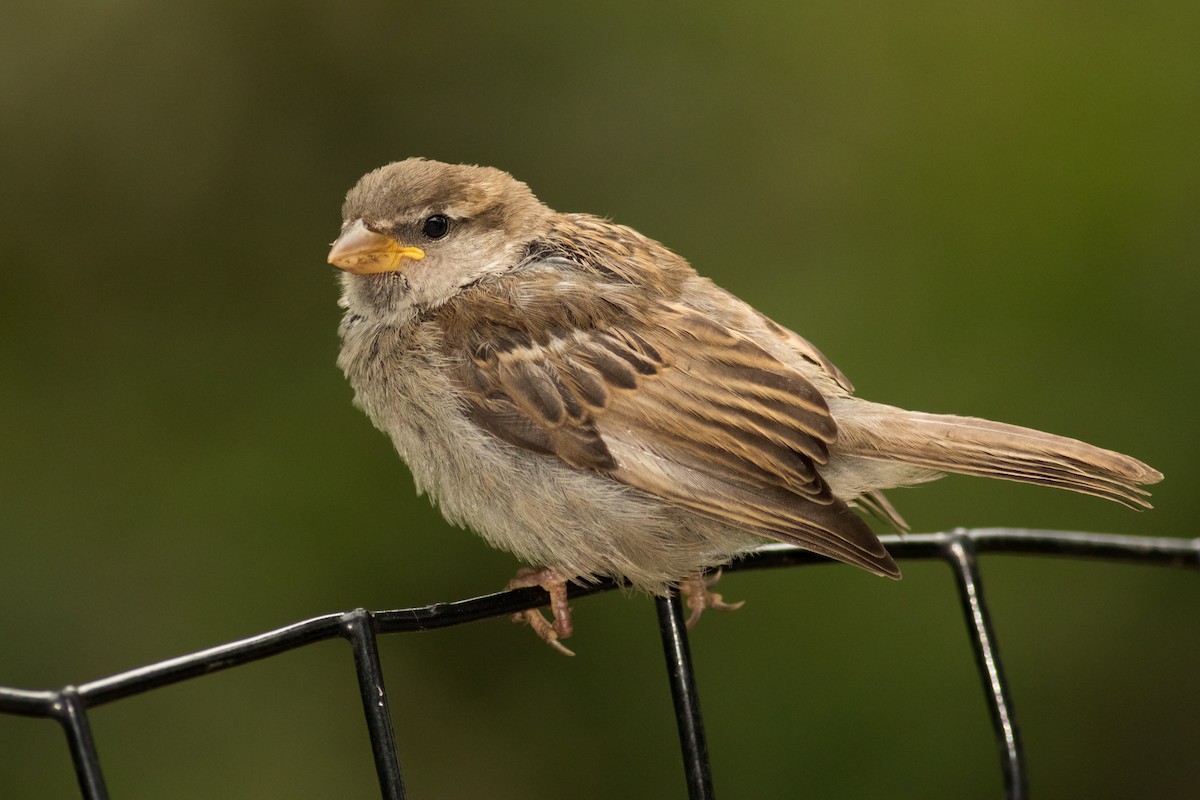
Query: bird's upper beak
(365, 252)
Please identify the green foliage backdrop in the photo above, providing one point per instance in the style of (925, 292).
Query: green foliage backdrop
(987, 210)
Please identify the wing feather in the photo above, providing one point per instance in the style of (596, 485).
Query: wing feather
(667, 401)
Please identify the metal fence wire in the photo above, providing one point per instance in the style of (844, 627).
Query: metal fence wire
(70, 705)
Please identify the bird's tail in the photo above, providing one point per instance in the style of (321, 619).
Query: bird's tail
(973, 446)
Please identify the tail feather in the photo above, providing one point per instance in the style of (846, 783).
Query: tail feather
(973, 446)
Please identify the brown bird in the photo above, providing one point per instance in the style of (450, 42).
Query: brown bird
(578, 395)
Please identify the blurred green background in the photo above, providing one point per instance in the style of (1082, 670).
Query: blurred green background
(991, 211)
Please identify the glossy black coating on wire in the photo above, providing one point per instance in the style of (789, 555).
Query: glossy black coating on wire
(73, 717)
(359, 627)
(69, 704)
(961, 552)
(682, 677)
(1161, 550)
(214, 659)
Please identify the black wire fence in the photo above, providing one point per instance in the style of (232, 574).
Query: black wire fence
(70, 705)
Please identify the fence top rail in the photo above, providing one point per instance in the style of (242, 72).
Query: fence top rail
(48, 703)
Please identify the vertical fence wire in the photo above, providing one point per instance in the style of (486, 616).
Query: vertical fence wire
(71, 713)
(682, 677)
(360, 631)
(961, 555)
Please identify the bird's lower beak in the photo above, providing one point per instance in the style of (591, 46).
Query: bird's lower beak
(365, 252)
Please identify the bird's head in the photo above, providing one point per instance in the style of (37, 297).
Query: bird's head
(415, 232)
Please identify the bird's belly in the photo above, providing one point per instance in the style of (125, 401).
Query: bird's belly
(579, 522)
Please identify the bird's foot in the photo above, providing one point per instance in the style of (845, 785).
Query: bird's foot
(556, 586)
(696, 589)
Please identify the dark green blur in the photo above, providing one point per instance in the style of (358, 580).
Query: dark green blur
(990, 211)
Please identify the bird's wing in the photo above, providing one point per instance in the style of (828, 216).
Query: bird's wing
(807, 350)
(660, 398)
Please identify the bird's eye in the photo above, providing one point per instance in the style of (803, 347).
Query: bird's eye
(436, 226)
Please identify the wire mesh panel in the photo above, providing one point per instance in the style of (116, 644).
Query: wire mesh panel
(70, 705)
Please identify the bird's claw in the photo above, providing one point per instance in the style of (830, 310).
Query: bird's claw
(550, 632)
(696, 589)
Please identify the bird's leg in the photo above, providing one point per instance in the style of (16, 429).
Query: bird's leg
(696, 589)
(556, 585)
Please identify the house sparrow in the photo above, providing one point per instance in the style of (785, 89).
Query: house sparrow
(579, 396)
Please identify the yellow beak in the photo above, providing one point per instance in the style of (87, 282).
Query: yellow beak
(365, 252)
